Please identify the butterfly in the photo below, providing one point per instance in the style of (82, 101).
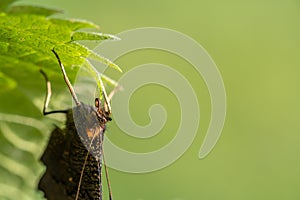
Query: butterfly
(74, 155)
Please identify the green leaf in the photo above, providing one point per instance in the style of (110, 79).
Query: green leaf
(92, 36)
(104, 60)
(28, 40)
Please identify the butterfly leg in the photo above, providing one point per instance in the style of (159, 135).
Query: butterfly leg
(66, 78)
(48, 96)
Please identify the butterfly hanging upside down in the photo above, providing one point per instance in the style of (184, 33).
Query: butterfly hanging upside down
(74, 155)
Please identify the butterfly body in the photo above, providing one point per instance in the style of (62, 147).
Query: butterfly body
(74, 156)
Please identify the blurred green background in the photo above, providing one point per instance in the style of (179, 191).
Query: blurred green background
(255, 45)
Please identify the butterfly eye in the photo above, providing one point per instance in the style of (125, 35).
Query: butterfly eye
(97, 103)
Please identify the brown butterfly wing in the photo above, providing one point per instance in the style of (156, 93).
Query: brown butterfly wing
(52, 182)
(67, 153)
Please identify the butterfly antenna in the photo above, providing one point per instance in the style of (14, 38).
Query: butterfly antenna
(81, 175)
(107, 98)
(83, 167)
(107, 177)
(66, 78)
(114, 91)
